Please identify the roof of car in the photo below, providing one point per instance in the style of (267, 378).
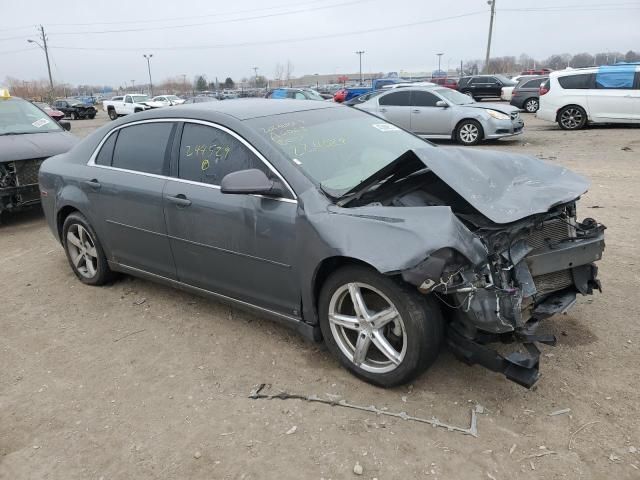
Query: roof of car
(242, 109)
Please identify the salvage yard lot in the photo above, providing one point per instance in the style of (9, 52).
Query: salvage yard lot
(136, 380)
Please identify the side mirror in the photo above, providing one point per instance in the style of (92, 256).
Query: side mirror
(251, 181)
(442, 103)
(66, 125)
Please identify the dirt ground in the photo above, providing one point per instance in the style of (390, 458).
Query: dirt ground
(139, 381)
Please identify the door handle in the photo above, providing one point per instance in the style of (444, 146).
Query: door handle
(415, 110)
(382, 110)
(180, 200)
(93, 183)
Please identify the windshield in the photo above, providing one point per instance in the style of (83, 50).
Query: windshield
(505, 80)
(454, 96)
(313, 95)
(336, 148)
(139, 98)
(18, 116)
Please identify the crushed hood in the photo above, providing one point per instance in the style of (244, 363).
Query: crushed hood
(504, 187)
(34, 145)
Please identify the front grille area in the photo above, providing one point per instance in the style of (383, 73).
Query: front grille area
(552, 231)
(27, 171)
(551, 282)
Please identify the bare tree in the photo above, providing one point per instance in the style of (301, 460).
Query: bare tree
(278, 73)
(288, 71)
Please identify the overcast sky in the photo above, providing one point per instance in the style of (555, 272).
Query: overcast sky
(553, 26)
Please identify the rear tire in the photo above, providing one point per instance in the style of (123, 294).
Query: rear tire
(469, 132)
(572, 117)
(112, 114)
(531, 105)
(410, 329)
(84, 251)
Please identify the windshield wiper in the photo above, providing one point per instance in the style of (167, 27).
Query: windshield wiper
(16, 133)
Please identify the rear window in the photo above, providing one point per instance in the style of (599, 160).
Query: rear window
(532, 83)
(581, 81)
(143, 148)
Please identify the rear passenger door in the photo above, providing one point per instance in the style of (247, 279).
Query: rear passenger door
(125, 185)
(396, 107)
(239, 246)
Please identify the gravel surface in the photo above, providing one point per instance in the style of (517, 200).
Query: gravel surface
(96, 383)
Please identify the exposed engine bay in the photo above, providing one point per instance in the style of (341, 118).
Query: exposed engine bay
(532, 268)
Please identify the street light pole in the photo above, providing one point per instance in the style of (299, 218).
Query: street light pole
(439, 59)
(255, 70)
(493, 12)
(133, 86)
(149, 68)
(43, 37)
(360, 53)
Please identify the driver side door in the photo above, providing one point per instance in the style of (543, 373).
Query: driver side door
(237, 246)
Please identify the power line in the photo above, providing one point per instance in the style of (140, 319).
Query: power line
(272, 42)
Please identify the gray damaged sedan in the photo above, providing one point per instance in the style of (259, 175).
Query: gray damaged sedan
(334, 222)
(443, 113)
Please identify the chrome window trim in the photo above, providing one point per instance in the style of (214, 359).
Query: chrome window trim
(92, 158)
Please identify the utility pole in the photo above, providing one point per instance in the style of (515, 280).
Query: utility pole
(133, 86)
(255, 70)
(149, 68)
(184, 83)
(493, 12)
(360, 53)
(43, 38)
(439, 59)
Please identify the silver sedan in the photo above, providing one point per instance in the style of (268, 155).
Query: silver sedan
(443, 113)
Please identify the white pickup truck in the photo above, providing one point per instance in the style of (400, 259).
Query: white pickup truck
(124, 105)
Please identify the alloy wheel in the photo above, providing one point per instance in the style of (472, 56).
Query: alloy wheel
(367, 327)
(469, 133)
(531, 106)
(571, 118)
(82, 251)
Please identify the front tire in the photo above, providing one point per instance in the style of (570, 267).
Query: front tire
(84, 251)
(469, 132)
(531, 105)
(74, 116)
(572, 117)
(381, 330)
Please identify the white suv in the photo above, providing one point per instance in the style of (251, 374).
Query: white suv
(607, 94)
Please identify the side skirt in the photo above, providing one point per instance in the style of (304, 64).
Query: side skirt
(310, 332)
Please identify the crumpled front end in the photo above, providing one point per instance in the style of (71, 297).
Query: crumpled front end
(534, 269)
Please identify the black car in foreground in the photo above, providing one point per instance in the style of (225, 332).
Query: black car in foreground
(27, 136)
(484, 86)
(75, 109)
(334, 222)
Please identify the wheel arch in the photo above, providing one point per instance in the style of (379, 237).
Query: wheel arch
(586, 112)
(325, 268)
(61, 216)
(454, 132)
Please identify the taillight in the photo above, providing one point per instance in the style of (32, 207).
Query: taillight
(514, 92)
(544, 88)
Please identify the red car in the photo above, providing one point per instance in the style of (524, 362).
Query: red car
(57, 115)
(541, 71)
(446, 82)
(340, 95)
